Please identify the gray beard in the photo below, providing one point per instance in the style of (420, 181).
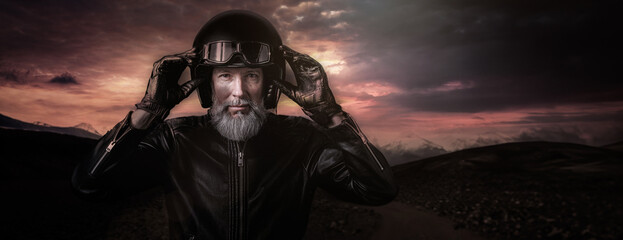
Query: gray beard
(243, 126)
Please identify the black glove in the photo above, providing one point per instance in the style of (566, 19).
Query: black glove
(163, 92)
(312, 92)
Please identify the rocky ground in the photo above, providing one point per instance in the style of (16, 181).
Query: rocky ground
(552, 193)
(333, 219)
(516, 191)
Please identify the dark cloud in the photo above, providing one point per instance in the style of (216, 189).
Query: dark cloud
(553, 134)
(14, 77)
(63, 79)
(509, 93)
(97, 38)
(10, 76)
(444, 56)
(515, 55)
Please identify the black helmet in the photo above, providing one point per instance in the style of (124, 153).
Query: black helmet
(239, 38)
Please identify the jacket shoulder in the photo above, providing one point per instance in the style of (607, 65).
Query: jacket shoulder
(187, 122)
(285, 121)
(292, 126)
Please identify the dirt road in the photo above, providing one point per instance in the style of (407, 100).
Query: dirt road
(401, 221)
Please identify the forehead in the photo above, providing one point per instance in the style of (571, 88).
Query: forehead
(236, 70)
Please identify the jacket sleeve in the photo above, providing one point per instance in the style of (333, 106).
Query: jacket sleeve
(352, 169)
(125, 160)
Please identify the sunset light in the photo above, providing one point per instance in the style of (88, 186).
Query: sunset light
(410, 74)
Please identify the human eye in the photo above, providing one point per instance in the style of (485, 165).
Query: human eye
(253, 76)
(224, 76)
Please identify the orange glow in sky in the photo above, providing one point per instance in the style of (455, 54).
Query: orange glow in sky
(410, 74)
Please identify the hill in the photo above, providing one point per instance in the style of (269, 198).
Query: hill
(80, 130)
(38, 203)
(509, 191)
(525, 190)
(617, 146)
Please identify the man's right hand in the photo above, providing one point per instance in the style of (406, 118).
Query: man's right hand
(163, 92)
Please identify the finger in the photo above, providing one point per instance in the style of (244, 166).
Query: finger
(286, 87)
(191, 85)
(289, 54)
(298, 62)
(190, 55)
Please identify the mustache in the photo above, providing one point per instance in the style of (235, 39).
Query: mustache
(238, 128)
(236, 102)
(222, 107)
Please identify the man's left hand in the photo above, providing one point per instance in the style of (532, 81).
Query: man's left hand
(312, 91)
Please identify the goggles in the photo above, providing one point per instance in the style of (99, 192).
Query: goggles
(220, 52)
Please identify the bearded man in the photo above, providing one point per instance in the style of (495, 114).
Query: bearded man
(241, 171)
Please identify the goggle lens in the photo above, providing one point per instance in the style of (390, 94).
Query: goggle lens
(222, 52)
(255, 52)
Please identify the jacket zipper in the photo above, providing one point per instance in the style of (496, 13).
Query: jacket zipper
(99, 161)
(109, 148)
(364, 139)
(241, 190)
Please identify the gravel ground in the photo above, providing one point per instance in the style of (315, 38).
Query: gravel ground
(515, 191)
(333, 219)
(492, 195)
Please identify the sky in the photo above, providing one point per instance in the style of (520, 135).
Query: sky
(416, 75)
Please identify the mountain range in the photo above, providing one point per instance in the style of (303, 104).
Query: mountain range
(84, 130)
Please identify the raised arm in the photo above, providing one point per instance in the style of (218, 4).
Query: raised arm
(119, 163)
(350, 167)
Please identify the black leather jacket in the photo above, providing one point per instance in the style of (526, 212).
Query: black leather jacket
(221, 189)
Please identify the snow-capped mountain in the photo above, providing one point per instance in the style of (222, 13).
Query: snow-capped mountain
(87, 127)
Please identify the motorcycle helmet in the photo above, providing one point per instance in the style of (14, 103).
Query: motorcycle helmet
(239, 38)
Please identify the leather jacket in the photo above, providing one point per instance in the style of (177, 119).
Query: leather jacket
(216, 188)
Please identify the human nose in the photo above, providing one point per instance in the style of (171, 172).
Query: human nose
(237, 90)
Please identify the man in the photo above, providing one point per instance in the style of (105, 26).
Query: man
(240, 172)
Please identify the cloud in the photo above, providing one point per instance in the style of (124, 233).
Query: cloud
(64, 79)
(553, 134)
(313, 21)
(487, 56)
(9, 75)
(101, 38)
(513, 55)
(12, 76)
(394, 64)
